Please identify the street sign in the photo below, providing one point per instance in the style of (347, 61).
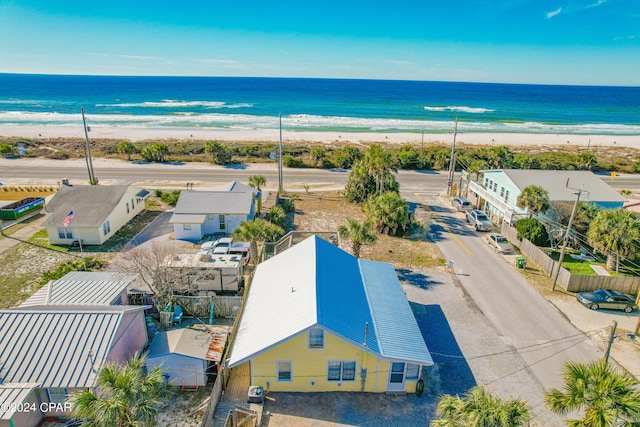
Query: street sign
(272, 155)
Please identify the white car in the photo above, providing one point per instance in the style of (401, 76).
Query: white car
(499, 243)
(479, 220)
(223, 241)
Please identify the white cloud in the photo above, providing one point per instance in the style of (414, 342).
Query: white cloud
(596, 4)
(399, 62)
(553, 13)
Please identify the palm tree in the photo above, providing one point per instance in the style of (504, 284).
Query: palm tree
(124, 396)
(389, 212)
(535, 199)
(380, 162)
(360, 233)
(257, 181)
(614, 232)
(480, 409)
(607, 396)
(257, 230)
(127, 148)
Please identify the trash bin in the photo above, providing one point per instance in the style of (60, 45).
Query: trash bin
(521, 262)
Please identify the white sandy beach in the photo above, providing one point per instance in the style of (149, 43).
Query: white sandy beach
(197, 134)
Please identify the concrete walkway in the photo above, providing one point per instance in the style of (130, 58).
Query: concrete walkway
(30, 226)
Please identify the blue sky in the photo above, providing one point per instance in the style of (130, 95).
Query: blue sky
(592, 42)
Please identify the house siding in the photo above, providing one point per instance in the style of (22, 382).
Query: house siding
(310, 369)
(130, 337)
(94, 235)
(193, 235)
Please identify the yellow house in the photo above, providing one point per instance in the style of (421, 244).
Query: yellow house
(318, 319)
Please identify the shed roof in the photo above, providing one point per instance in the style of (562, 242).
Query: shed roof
(83, 288)
(91, 204)
(199, 344)
(316, 284)
(187, 218)
(57, 346)
(554, 181)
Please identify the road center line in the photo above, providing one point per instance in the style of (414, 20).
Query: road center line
(443, 225)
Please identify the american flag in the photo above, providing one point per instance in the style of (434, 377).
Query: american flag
(67, 219)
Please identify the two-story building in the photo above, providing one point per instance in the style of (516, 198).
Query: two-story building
(497, 193)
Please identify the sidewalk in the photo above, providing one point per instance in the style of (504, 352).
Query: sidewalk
(29, 228)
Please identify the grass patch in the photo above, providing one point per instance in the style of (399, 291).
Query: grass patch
(576, 266)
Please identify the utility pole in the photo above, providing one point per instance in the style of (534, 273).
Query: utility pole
(280, 189)
(87, 151)
(452, 160)
(566, 235)
(612, 337)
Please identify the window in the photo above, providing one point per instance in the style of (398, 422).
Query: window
(316, 338)
(127, 207)
(501, 191)
(132, 205)
(65, 233)
(223, 225)
(397, 372)
(186, 226)
(284, 370)
(340, 370)
(413, 371)
(506, 195)
(106, 228)
(57, 395)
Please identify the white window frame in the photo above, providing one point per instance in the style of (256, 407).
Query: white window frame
(65, 233)
(313, 343)
(341, 364)
(186, 227)
(222, 222)
(412, 372)
(106, 228)
(279, 370)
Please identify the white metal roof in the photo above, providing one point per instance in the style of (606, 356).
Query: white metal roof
(177, 218)
(57, 346)
(555, 182)
(199, 344)
(83, 288)
(317, 284)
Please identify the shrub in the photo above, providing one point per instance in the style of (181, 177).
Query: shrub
(85, 264)
(292, 162)
(532, 230)
(171, 198)
(287, 204)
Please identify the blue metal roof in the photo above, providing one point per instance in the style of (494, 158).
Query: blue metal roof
(318, 284)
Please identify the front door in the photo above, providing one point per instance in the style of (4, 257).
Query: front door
(396, 376)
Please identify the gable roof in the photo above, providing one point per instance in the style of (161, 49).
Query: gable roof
(91, 204)
(596, 190)
(82, 287)
(232, 199)
(316, 284)
(57, 346)
(11, 395)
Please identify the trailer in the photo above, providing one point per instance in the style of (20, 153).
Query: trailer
(15, 210)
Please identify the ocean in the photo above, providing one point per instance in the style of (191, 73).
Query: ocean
(317, 105)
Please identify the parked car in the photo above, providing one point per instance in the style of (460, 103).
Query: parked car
(223, 241)
(479, 220)
(607, 298)
(461, 204)
(499, 243)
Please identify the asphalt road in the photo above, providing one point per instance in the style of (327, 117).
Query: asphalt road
(524, 320)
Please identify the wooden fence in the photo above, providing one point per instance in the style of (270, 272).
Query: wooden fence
(216, 394)
(200, 306)
(570, 282)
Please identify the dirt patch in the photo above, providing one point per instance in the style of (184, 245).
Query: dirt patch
(326, 211)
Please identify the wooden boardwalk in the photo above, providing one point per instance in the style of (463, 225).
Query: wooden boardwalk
(235, 394)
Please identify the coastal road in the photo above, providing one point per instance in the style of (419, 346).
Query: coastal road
(118, 171)
(524, 320)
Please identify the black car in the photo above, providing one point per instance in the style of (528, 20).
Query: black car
(606, 298)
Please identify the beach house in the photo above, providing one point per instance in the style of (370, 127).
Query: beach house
(318, 319)
(497, 193)
(48, 352)
(91, 213)
(217, 211)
